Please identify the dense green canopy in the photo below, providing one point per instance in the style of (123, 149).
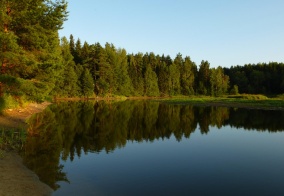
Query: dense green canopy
(30, 52)
(36, 65)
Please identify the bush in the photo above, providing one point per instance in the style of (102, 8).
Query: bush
(8, 101)
(234, 90)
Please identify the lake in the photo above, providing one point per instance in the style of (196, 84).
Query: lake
(152, 148)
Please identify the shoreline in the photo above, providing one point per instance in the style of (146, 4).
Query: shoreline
(264, 104)
(16, 178)
(16, 118)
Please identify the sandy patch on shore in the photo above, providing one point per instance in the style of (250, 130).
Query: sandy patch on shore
(15, 178)
(15, 118)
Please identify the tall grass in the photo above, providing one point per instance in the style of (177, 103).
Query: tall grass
(12, 139)
(241, 100)
(249, 96)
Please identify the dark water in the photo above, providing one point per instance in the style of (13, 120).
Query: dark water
(148, 148)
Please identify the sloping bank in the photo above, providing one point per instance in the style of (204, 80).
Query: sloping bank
(15, 178)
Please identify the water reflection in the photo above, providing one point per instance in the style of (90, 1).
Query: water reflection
(67, 129)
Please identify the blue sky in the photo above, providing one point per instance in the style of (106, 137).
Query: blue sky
(224, 32)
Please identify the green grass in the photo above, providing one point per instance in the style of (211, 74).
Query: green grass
(12, 139)
(281, 96)
(242, 100)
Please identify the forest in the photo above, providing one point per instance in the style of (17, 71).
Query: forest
(37, 65)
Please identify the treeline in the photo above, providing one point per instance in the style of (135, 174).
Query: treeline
(36, 64)
(261, 78)
(114, 71)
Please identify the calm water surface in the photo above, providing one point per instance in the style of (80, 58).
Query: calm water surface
(149, 148)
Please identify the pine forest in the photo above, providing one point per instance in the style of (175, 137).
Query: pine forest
(37, 65)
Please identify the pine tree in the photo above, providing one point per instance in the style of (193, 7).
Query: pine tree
(29, 42)
(151, 83)
(78, 52)
(136, 73)
(104, 74)
(163, 79)
(204, 78)
(112, 70)
(174, 77)
(188, 75)
(87, 83)
(124, 85)
(72, 45)
(67, 84)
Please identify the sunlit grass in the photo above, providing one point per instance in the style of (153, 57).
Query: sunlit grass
(242, 100)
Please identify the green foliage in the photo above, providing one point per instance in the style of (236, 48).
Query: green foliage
(9, 85)
(151, 83)
(263, 78)
(11, 139)
(204, 78)
(136, 67)
(123, 82)
(7, 101)
(87, 83)
(174, 76)
(36, 66)
(219, 82)
(67, 82)
(29, 47)
(249, 97)
(188, 72)
(163, 79)
(234, 90)
(34, 90)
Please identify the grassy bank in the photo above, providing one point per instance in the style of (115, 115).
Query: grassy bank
(244, 101)
(11, 139)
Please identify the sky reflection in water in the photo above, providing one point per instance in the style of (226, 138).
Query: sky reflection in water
(180, 151)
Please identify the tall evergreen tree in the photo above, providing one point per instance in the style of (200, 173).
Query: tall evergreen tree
(204, 78)
(104, 74)
(188, 73)
(164, 79)
(113, 68)
(124, 85)
(87, 83)
(151, 83)
(78, 52)
(30, 44)
(136, 73)
(67, 85)
(72, 45)
(174, 76)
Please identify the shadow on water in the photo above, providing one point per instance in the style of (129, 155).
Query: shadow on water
(67, 129)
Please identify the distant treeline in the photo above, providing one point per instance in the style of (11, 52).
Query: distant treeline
(36, 65)
(261, 78)
(113, 71)
(116, 72)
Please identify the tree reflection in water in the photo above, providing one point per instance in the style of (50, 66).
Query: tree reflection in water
(67, 129)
